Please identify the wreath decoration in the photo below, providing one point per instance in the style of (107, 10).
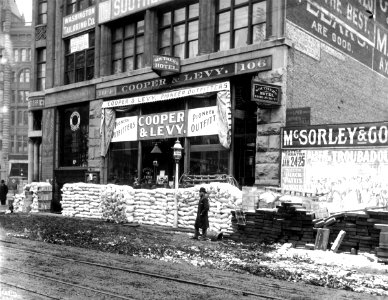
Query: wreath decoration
(76, 115)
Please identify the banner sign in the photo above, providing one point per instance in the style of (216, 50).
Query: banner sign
(214, 73)
(79, 21)
(162, 125)
(347, 26)
(332, 136)
(79, 43)
(125, 129)
(115, 9)
(168, 95)
(346, 179)
(202, 121)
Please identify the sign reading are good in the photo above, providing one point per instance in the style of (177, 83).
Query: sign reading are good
(162, 125)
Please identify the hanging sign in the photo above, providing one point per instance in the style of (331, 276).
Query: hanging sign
(163, 63)
(125, 129)
(266, 94)
(202, 121)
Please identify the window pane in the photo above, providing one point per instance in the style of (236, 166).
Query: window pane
(193, 31)
(259, 13)
(223, 4)
(27, 73)
(90, 58)
(179, 34)
(128, 47)
(166, 19)
(237, 2)
(117, 50)
(116, 66)
(140, 27)
(193, 48)
(140, 45)
(179, 15)
(140, 61)
(224, 41)
(165, 51)
(118, 33)
(179, 50)
(224, 22)
(129, 63)
(194, 10)
(259, 33)
(129, 30)
(80, 60)
(240, 37)
(241, 17)
(165, 38)
(211, 162)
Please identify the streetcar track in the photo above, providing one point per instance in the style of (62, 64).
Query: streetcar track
(149, 274)
(28, 290)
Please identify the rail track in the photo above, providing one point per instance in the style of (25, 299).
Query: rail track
(65, 281)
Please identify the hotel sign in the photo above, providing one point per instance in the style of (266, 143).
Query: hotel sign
(333, 136)
(266, 94)
(36, 103)
(163, 63)
(79, 21)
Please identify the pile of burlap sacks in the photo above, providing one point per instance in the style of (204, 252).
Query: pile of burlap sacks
(150, 206)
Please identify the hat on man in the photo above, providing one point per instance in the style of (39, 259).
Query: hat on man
(202, 189)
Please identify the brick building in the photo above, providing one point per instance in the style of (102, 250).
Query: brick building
(236, 81)
(15, 66)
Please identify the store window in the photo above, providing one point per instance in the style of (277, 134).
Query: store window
(79, 66)
(178, 33)
(74, 133)
(240, 23)
(42, 12)
(128, 46)
(72, 6)
(41, 66)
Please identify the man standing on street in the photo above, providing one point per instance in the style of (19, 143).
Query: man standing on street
(3, 192)
(202, 220)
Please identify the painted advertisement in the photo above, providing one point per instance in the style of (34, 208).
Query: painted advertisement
(346, 179)
(79, 21)
(125, 129)
(202, 121)
(356, 28)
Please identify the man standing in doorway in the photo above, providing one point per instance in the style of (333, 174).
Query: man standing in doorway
(202, 220)
(3, 192)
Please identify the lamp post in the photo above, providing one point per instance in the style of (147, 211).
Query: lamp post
(177, 154)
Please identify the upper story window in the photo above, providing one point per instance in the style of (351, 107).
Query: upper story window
(41, 69)
(240, 23)
(42, 12)
(178, 31)
(79, 66)
(16, 54)
(24, 75)
(72, 6)
(128, 47)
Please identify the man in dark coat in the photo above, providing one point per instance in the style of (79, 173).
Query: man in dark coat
(202, 220)
(3, 192)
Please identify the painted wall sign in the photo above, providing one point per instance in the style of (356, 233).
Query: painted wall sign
(265, 94)
(347, 26)
(166, 63)
(255, 65)
(121, 8)
(163, 125)
(79, 21)
(298, 116)
(125, 129)
(202, 121)
(203, 89)
(352, 135)
(347, 179)
(79, 43)
(36, 102)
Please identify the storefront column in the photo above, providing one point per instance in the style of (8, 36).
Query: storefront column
(30, 160)
(139, 161)
(36, 161)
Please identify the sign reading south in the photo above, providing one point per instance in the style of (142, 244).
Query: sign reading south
(165, 63)
(265, 94)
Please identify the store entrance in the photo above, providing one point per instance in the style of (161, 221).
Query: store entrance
(158, 163)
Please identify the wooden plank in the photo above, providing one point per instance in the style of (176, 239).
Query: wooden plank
(322, 239)
(338, 241)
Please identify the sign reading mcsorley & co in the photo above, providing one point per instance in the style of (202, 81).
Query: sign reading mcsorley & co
(333, 136)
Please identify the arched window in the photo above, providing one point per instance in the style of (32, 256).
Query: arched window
(24, 76)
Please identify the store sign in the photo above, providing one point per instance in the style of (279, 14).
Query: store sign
(347, 26)
(266, 94)
(214, 73)
(79, 43)
(298, 116)
(203, 89)
(165, 63)
(125, 129)
(361, 135)
(79, 21)
(163, 125)
(36, 102)
(202, 121)
(121, 8)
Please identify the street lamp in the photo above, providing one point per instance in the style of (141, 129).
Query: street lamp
(177, 154)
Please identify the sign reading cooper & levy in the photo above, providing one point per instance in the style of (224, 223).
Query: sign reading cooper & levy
(79, 21)
(266, 94)
(214, 73)
(163, 63)
(333, 136)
